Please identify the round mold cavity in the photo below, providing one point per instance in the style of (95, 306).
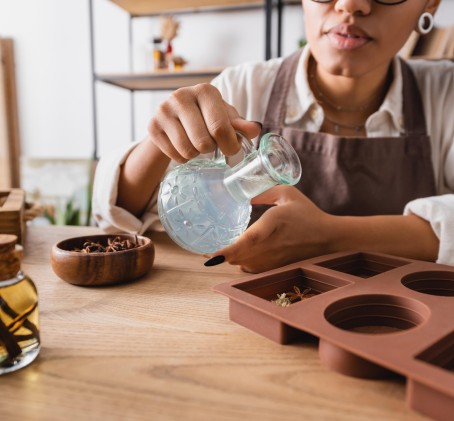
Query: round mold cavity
(345, 362)
(368, 315)
(376, 314)
(440, 283)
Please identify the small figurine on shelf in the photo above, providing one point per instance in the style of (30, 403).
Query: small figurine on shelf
(169, 30)
(158, 54)
(179, 62)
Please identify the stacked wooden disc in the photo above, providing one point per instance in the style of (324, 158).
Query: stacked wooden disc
(12, 221)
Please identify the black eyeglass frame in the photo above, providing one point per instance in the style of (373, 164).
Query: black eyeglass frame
(385, 3)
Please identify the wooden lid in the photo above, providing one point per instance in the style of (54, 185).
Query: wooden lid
(11, 256)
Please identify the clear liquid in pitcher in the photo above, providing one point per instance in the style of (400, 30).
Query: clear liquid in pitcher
(205, 205)
(197, 210)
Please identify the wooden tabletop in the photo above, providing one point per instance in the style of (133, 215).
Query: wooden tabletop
(163, 348)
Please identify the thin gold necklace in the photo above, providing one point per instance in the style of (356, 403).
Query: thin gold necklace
(323, 99)
(337, 126)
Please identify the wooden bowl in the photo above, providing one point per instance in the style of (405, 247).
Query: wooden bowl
(102, 268)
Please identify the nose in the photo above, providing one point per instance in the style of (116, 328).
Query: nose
(353, 7)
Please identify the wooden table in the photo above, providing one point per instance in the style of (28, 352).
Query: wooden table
(163, 348)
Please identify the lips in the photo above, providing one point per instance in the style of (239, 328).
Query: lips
(347, 37)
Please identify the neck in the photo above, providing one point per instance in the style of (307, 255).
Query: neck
(349, 92)
(348, 101)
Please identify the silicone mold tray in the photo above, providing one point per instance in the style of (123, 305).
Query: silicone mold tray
(374, 315)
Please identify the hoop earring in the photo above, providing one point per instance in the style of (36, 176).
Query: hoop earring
(425, 23)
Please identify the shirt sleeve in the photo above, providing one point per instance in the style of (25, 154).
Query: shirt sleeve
(110, 217)
(439, 212)
(435, 80)
(239, 86)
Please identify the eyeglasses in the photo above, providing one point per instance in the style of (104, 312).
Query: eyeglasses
(385, 2)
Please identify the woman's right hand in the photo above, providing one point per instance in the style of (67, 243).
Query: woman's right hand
(196, 120)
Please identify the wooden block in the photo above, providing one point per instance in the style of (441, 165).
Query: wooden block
(12, 206)
(9, 121)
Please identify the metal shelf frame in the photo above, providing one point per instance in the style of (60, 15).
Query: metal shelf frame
(271, 7)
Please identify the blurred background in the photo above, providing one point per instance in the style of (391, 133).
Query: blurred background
(61, 114)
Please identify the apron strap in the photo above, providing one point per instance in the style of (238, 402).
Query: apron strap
(277, 104)
(413, 110)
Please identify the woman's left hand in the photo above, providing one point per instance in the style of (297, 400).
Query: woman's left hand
(293, 230)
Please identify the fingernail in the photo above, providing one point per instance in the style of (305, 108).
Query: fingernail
(258, 122)
(216, 260)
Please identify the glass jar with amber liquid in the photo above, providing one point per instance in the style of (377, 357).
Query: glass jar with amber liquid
(19, 322)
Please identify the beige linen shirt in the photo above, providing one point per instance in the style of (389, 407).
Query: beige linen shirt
(248, 87)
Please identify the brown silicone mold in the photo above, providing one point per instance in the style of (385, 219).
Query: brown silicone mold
(375, 315)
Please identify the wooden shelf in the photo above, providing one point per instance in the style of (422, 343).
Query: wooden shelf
(171, 80)
(156, 7)
(162, 80)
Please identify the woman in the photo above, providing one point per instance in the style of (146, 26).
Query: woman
(374, 134)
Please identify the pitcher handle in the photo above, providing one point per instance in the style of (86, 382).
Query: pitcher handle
(246, 145)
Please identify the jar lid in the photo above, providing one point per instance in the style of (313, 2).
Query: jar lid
(11, 256)
(7, 242)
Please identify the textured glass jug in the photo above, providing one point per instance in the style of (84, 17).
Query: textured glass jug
(204, 205)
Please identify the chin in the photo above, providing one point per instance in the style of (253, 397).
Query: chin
(347, 63)
(340, 65)
(343, 70)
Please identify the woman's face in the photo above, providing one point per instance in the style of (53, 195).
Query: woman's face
(354, 37)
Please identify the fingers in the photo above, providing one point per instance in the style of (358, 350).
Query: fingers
(258, 236)
(277, 195)
(196, 120)
(250, 241)
(217, 119)
(250, 129)
(159, 137)
(277, 237)
(179, 129)
(172, 139)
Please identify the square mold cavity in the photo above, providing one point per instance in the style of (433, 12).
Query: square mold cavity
(363, 265)
(441, 354)
(262, 318)
(269, 287)
(436, 402)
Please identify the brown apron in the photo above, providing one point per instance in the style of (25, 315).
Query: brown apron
(354, 175)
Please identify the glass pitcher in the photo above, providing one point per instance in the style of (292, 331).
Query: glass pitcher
(204, 205)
